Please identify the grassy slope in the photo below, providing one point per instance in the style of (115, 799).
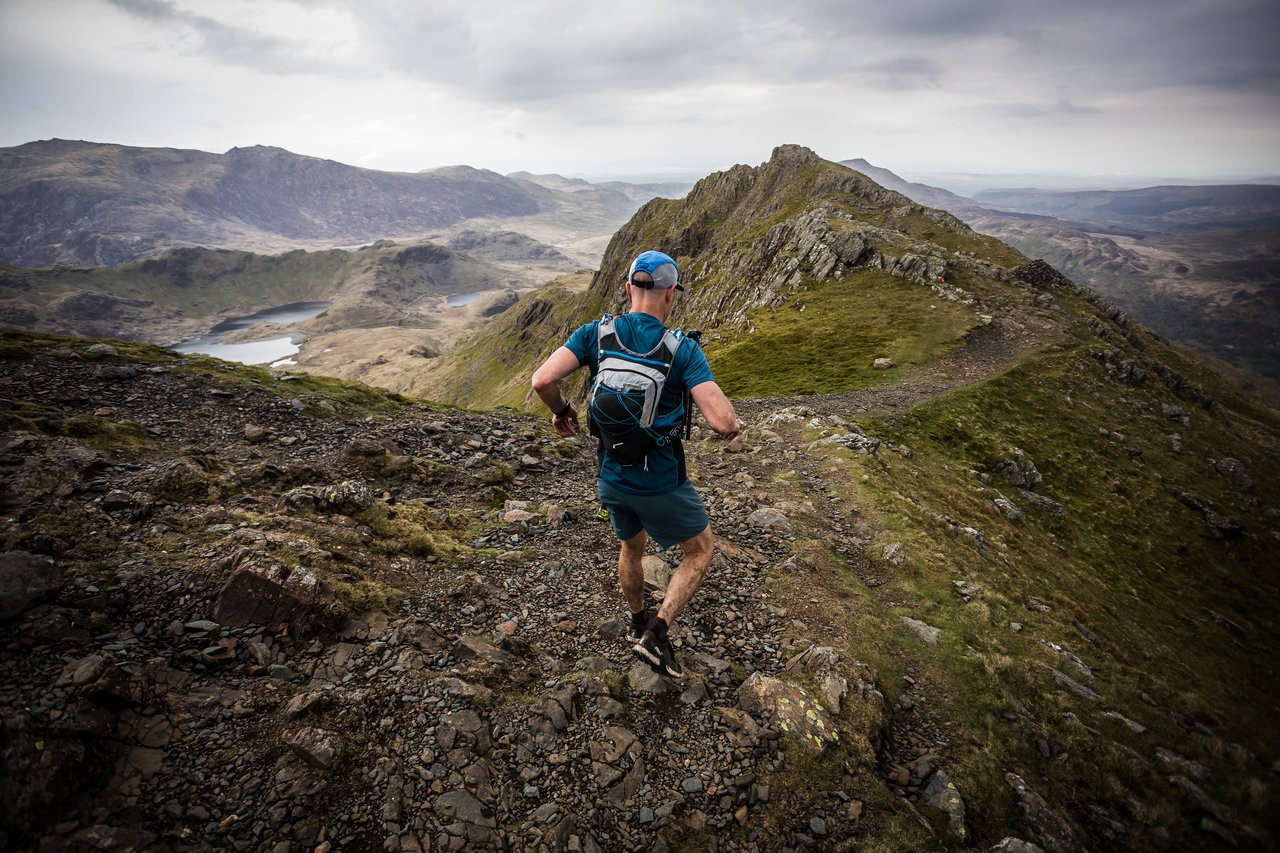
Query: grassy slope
(492, 368)
(1127, 562)
(833, 331)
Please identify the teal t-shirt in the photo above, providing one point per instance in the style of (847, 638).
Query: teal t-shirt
(660, 471)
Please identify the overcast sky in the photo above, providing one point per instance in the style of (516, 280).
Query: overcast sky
(1176, 88)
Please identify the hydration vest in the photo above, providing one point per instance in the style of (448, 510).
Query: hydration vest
(625, 392)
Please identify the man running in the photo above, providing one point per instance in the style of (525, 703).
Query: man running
(653, 497)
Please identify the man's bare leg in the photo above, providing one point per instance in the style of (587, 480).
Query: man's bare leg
(631, 572)
(688, 575)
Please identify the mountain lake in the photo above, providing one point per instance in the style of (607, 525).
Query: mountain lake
(253, 352)
(457, 300)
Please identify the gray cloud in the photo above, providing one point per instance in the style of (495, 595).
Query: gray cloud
(904, 73)
(229, 45)
(515, 54)
(537, 53)
(664, 81)
(1062, 107)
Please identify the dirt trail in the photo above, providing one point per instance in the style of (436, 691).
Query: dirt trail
(987, 351)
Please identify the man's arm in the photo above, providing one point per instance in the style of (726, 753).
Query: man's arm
(716, 408)
(546, 384)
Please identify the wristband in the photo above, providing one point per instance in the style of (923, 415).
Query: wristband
(560, 414)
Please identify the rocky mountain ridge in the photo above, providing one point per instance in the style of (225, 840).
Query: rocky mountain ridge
(1060, 376)
(748, 241)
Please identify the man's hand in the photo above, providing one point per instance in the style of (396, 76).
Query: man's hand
(567, 425)
(717, 409)
(546, 384)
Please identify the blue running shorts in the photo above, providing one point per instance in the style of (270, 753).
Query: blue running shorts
(669, 519)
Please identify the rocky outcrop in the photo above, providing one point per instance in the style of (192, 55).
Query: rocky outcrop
(266, 595)
(24, 580)
(813, 220)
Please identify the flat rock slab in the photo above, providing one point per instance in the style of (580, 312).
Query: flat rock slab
(271, 595)
(923, 630)
(792, 708)
(320, 748)
(642, 679)
(1054, 832)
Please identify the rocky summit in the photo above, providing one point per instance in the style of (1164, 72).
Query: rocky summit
(994, 571)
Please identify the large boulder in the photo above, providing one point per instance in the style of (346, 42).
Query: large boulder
(24, 580)
(348, 497)
(822, 664)
(792, 709)
(45, 466)
(256, 595)
(942, 794)
(320, 748)
(1019, 471)
(1234, 472)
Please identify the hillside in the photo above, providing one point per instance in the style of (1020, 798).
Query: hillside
(1196, 264)
(1016, 592)
(1149, 210)
(1023, 480)
(185, 292)
(84, 203)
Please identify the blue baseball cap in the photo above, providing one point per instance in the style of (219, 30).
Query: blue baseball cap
(662, 268)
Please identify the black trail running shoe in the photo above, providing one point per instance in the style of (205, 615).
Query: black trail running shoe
(655, 649)
(639, 621)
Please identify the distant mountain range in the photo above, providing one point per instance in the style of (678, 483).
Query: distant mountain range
(639, 193)
(64, 202)
(1162, 209)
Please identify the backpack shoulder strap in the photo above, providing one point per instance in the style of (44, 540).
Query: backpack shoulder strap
(671, 341)
(607, 333)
